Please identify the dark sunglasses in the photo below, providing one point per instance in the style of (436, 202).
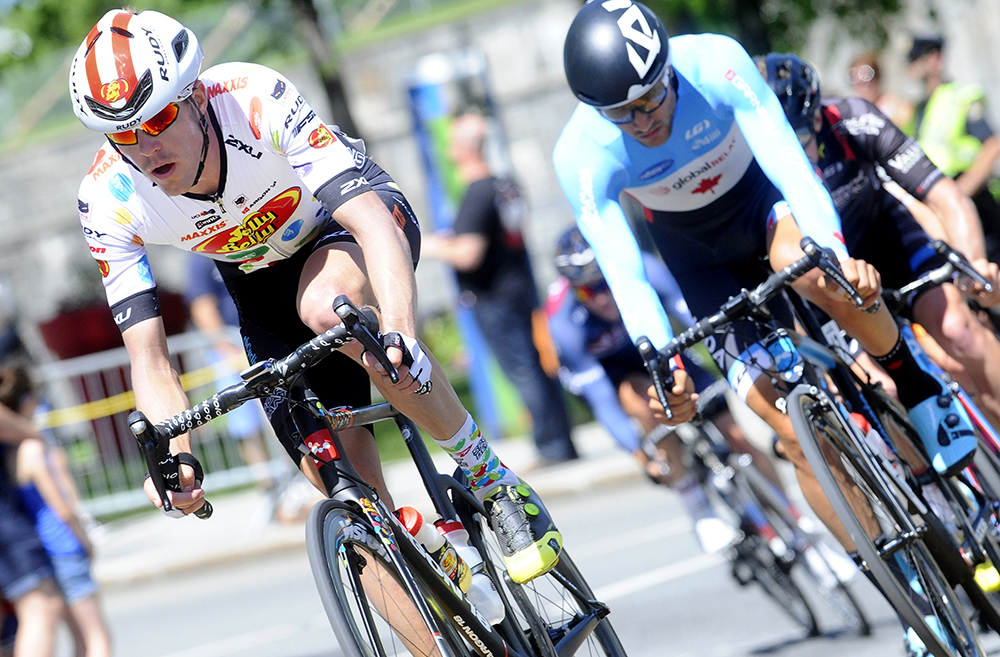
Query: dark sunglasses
(647, 104)
(163, 120)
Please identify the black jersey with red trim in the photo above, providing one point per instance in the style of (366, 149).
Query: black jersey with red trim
(855, 140)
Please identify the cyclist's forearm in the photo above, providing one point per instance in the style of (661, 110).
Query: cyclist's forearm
(387, 260)
(959, 216)
(157, 388)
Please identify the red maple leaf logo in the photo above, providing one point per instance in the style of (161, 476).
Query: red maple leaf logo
(707, 185)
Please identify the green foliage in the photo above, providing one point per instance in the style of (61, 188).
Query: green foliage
(769, 25)
(55, 24)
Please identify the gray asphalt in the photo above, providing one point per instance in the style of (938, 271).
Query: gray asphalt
(235, 585)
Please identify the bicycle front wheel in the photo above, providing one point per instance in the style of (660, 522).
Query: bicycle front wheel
(371, 610)
(555, 614)
(755, 561)
(807, 550)
(868, 502)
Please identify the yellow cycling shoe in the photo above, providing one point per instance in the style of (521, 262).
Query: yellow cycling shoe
(528, 539)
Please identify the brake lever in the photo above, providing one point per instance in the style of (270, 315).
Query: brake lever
(361, 324)
(154, 451)
(962, 264)
(827, 264)
(661, 381)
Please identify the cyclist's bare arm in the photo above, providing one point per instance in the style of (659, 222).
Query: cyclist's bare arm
(158, 394)
(951, 216)
(388, 263)
(959, 216)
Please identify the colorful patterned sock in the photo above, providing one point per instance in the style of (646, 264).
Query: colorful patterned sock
(482, 467)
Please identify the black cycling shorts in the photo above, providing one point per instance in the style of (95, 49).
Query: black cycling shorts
(714, 259)
(271, 327)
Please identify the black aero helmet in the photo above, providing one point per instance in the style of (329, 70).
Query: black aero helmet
(615, 51)
(575, 260)
(796, 85)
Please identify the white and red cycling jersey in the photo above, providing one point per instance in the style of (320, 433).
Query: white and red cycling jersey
(276, 154)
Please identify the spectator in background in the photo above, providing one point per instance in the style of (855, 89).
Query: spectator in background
(26, 575)
(50, 499)
(487, 250)
(951, 126)
(865, 76)
(214, 314)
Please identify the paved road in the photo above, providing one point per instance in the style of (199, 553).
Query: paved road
(632, 541)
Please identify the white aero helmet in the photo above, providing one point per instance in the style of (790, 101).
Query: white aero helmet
(130, 67)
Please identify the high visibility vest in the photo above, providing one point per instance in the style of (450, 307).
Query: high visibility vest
(942, 133)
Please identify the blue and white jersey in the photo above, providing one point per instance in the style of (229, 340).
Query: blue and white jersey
(728, 132)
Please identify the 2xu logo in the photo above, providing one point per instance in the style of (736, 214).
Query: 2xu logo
(636, 29)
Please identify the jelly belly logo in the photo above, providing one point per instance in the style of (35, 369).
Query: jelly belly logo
(115, 90)
(257, 227)
(321, 137)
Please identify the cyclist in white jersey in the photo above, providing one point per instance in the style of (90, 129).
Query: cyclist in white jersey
(233, 164)
(688, 128)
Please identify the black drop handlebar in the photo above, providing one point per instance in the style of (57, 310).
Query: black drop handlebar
(955, 263)
(259, 380)
(746, 304)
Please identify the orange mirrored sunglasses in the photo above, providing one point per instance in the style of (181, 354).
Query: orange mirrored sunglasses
(589, 292)
(153, 127)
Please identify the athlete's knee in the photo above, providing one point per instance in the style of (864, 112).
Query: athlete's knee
(316, 306)
(964, 337)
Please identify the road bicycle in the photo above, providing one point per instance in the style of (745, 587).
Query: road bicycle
(383, 592)
(772, 549)
(901, 543)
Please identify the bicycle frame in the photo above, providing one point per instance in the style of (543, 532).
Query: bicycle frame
(319, 429)
(460, 612)
(342, 484)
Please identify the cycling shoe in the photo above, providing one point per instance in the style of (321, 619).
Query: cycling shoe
(946, 431)
(529, 540)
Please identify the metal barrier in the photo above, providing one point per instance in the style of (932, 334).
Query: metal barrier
(91, 398)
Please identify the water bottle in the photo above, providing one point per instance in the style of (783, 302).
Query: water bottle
(877, 443)
(438, 547)
(482, 593)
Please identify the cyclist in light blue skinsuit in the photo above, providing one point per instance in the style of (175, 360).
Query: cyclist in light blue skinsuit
(689, 129)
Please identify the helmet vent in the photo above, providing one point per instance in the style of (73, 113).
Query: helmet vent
(180, 44)
(122, 32)
(90, 44)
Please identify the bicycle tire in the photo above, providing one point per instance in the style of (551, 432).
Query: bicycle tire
(835, 593)
(547, 608)
(773, 577)
(814, 418)
(363, 594)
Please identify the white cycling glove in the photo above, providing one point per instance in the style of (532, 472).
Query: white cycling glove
(413, 357)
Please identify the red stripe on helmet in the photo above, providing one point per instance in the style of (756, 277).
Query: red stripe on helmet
(93, 76)
(121, 47)
(94, 33)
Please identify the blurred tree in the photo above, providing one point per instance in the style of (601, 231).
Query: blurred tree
(324, 58)
(766, 25)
